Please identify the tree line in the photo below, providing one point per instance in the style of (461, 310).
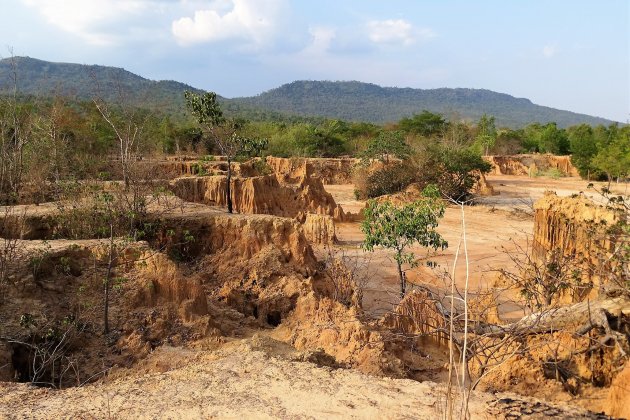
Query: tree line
(58, 138)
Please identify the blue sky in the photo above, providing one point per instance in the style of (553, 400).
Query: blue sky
(567, 54)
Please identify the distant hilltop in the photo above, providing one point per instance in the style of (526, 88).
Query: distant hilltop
(358, 101)
(353, 101)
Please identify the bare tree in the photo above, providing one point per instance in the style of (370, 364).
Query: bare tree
(127, 125)
(56, 138)
(348, 275)
(15, 136)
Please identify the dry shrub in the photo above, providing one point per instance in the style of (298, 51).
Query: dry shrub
(90, 209)
(346, 279)
(359, 177)
(483, 307)
(11, 248)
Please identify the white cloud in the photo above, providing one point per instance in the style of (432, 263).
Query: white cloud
(549, 50)
(396, 31)
(88, 19)
(321, 39)
(254, 21)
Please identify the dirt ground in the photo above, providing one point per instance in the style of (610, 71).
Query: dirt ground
(494, 225)
(254, 378)
(252, 375)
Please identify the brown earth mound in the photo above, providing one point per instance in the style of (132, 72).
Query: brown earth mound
(531, 164)
(174, 169)
(264, 268)
(321, 322)
(483, 187)
(318, 229)
(557, 366)
(254, 265)
(417, 314)
(235, 237)
(331, 171)
(165, 281)
(24, 223)
(288, 170)
(260, 195)
(579, 229)
(618, 402)
(52, 313)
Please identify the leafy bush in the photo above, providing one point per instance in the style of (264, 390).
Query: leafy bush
(425, 124)
(386, 144)
(320, 143)
(390, 179)
(454, 170)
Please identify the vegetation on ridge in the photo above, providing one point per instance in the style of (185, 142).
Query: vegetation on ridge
(352, 101)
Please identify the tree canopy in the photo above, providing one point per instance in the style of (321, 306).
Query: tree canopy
(425, 124)
(399, 227)
(386, 144)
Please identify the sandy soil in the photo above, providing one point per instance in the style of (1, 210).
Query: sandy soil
(253, 378)
(522, 191)
(235, 382)
(499, 223)
(259, 377)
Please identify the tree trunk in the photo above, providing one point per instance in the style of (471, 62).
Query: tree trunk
(580, 317)
(108, 277)
(228, 190)
(403, 282)
(125, 171)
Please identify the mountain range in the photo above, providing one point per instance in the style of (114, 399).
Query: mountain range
(353, 101)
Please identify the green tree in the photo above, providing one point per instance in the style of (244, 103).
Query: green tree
(398, 228)
(509, 142)
(486, 134)
(426, 124)
(603, 135)
(386, 144)
(554, 140)
(583, 148)
(614, 159)
(454, 169)
(390, 179)
(531, 137)
(321, 141)
(223, 132)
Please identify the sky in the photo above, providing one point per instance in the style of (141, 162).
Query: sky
(566, 54)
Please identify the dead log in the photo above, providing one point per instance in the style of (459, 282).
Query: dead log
(581, 317)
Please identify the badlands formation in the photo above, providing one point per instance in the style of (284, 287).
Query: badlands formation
(276, 312)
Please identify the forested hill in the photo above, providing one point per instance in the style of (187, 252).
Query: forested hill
(353, 101)
(44, 78)
(358, 101)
